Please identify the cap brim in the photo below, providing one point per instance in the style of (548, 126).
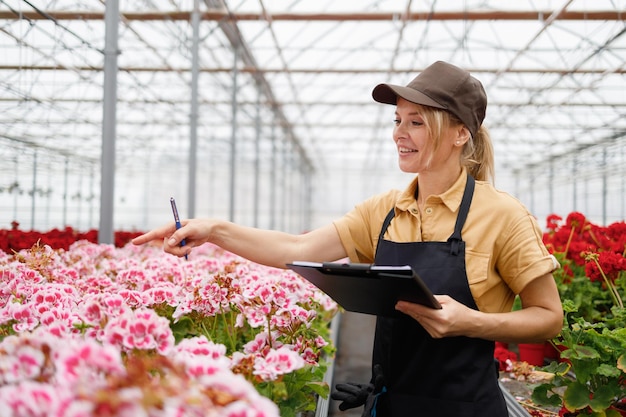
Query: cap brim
(389, 93)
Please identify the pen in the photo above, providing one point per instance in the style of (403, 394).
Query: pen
(177, 219)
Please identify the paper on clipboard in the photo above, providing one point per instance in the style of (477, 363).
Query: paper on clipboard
(367, 288)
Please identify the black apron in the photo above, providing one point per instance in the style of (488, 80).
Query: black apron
(448, 377)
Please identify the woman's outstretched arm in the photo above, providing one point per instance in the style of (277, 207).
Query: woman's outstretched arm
(267, 247)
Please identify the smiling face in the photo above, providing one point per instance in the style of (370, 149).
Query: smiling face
(427, 139)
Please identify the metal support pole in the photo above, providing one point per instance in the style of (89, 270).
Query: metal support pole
(79, 200)
(605, 185)
(48, 199)
(623, 185)
(233, 137)
(147, 191)
(532, 192)
(273, 178)
(65, 189)
(16, 191)
(92, 193)
(107, 165)
(193, 115)
(308, 198)
(257, 158)
(574, 183)
(551, 187)
(34, 192)
(284, 177)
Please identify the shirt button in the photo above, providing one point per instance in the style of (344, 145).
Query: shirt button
(429, 210)
(414, 210)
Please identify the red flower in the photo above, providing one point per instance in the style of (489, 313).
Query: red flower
(611, 264)
(552, 221)
(576, 220)
(501, 353)
(577, 249)
(16, 240)
(617, 233)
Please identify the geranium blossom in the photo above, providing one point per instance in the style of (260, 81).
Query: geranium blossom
(592, 340)
(608, 263)
(277, 362)
(97, 330)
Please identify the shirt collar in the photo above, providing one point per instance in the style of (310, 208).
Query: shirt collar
(451, 198)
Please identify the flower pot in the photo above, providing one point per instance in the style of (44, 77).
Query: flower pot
(620, 408)
(531, 353)
(551, 352)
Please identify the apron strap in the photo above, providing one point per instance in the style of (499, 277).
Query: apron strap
(386, 223)
(455, 239)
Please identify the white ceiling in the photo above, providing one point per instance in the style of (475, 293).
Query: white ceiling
(554, 72)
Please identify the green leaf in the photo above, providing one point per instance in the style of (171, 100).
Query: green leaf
(181, 328)
(603, 397)
(320, 388)
(543, 395)
(580, 352)
(576, 396)
(557, 368)
(608, 371)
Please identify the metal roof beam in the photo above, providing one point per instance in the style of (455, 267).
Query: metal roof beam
(247, 69)
(218, 15)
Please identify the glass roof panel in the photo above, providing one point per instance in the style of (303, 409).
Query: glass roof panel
(303, 72)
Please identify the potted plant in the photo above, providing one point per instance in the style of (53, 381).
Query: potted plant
(591, 378)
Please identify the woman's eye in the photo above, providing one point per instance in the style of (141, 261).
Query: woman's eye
(413, 122)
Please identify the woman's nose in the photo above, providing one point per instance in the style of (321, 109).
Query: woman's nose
(399, 130)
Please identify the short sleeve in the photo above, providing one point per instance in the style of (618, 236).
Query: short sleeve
(523, 255)
(359, 228)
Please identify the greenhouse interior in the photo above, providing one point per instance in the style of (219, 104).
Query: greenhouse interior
(260, 112)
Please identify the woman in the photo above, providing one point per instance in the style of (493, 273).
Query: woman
(475, 247)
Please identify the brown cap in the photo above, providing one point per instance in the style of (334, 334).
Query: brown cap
(443, 86)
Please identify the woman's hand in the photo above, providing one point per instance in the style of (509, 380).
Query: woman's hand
(195, 232)
(540, 318)
(444, 322)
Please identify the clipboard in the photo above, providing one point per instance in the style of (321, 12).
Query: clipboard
(367, 288)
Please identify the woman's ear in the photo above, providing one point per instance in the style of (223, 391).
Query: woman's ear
(462, 135)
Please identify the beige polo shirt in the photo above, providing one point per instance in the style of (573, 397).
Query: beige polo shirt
(503, 242)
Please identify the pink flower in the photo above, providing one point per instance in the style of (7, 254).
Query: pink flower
(141, 329)
(113, 304)
(133, 298)
(94, 304)
(201, 346)
(86, 361)
(277, 362)
(30, 398)
(163, 294)
(24, 317)
(23, 363)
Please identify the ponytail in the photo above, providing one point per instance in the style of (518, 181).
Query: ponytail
(478, 156)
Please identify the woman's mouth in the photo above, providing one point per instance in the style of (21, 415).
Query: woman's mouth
(404, 150)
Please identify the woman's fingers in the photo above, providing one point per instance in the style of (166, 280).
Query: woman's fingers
(154, 234)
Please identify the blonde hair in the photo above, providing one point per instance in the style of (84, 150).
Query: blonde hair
(477, 155)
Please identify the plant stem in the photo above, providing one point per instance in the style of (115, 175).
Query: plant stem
(569, 240)
(269, 330)
(231, 339)
(617, 300)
